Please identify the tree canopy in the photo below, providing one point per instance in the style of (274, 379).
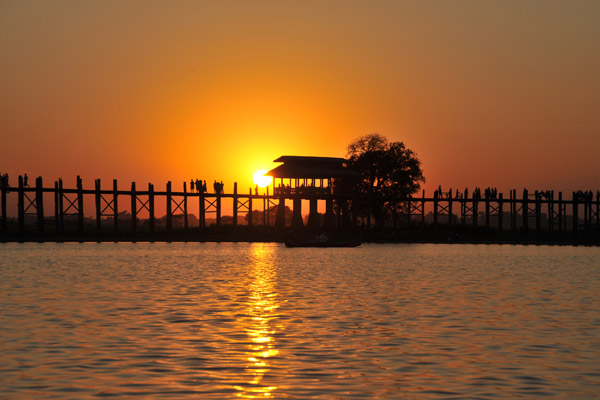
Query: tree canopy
(390, 173)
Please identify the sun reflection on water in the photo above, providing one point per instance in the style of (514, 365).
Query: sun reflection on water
(260, 323)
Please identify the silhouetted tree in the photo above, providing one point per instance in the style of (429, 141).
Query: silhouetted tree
(390, 173)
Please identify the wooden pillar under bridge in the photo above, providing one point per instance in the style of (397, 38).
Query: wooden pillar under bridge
(219, 208)
(61, 208)
(268, 209)
(435, 207)
(115, 208)
(98, 195)
(538, 212)
(408, 209)
(525, 210)
(313, 216)
(169, 216)
(586, 214)
(80, 204)
(56, 205)
(422, 208)
(561, 212)
(475, 210)
(235, 204)
(550, 211)
(39, 204)
(329, 222)
(250, 208)
(151, 218)
(3, 190)
(185, 208)
(598, 214)
(264, 212)
(487, 210)
(575, 203)
(512, 207)
(297, 212)
(280, 218)
(133, 208)
(201, 210)
(20, 206)
(450, 207)
(500, 212)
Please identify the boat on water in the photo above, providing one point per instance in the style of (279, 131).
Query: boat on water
(322, 239)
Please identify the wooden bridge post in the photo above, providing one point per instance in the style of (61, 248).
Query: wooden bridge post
(56, 205)
(561, 212)
(80, 204)
(268, 208)
(598, 214)
(422, 208)
(280, 218)
(265, 212)
(450, 215)
(115, 207)
(435, 207)
(185, 208)
(313, 216)
(475, 209)
(513, 210)
(61, 208)
(525, 210)
(98, 195)
(201, 210)
(587, 208)
(219, 208)
(3, 190)
(169, 216)
(20, 206)
(463, 206)
(500, 212)
(39, 204)
(408, 210)
(133, 208)
(487, 209)
(575, 213)
(235, 204)
(250, 208)
(297, 212)
(151, 218)
(538, 212)
(550, 208)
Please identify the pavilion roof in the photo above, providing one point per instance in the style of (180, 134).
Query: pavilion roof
(311, 168)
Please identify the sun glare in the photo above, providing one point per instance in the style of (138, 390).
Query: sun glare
(260, 179)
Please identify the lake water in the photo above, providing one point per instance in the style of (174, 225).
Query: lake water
(238, 320)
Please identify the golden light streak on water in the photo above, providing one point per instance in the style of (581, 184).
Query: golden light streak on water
(260, 323)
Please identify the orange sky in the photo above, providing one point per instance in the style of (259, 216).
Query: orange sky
(502, 94)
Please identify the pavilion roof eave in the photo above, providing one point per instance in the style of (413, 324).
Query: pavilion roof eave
(314, 172)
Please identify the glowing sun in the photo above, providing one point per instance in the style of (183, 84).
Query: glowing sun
(260, 179)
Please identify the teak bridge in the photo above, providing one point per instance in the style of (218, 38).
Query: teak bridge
(579, 215)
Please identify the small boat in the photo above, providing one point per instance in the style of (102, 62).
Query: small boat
(322, 240)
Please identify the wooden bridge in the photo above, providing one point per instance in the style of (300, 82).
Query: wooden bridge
(579, 215)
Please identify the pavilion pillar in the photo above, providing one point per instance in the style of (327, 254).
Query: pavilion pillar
(346, 218)
(329, 222)
(313, 216)
(280, 218)
(297, 216)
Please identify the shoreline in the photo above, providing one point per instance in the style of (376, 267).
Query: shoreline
(230, 234)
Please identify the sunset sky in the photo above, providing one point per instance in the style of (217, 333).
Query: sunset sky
(487, 93)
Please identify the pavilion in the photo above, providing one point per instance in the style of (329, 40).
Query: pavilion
(312, 178)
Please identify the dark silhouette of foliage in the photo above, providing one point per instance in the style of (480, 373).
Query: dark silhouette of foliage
(390, 173)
